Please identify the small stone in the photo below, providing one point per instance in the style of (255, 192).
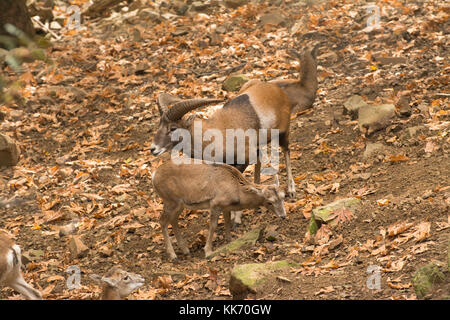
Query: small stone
(149, 14)
(352, 105)
(200, 6)
(77, 248)
(233, 4)
(273, 18)
(373, 149)
(105, 251)
(428, 194)
(372, 118)
(390, 60)
(180, 31)
(68, 229)
(271, 234)
(9, 151)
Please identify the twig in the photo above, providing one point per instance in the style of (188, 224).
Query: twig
(47, 29)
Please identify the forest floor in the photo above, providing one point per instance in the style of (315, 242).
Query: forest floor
(87, 122)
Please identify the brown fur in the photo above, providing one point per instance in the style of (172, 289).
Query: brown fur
(217, 187)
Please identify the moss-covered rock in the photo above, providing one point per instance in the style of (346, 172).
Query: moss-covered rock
(246, 278)
(324, 214)
(248, 239)
(234, 82)
(425, 278)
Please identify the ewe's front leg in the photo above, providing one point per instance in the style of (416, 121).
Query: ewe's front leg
(212, 228)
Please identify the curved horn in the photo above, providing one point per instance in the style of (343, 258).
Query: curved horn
(164, 99)
(179, 109)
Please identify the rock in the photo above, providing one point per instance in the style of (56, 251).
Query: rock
(248, 239)
(414, 131)
(233, 4)
(235, 82)
(403, 107)
(273, 18)
(425, 277)
(200, 6)
(390, 60)
(55, 25)
(352, 105)
(180, 31)
(150, 15)
(105, 251)
(373, 149)
(271, 234)
(77, 248)
(31, 256)
(9, 151)
(372, 118)
(68, 229)
(247, 278)
(323, 214)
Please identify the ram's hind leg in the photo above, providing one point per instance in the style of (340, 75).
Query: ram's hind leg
(284, 142)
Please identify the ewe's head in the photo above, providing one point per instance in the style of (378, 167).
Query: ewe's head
(171, 120)
(274, 200)
(120, 281)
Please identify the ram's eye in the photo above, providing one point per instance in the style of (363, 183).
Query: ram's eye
(173, 129)
(126, 278)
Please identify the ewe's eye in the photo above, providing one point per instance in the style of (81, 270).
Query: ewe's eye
(126, 278)
(173, 129)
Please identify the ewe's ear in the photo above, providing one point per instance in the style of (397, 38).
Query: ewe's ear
(252, 189)
(95, 277)
(109, 281)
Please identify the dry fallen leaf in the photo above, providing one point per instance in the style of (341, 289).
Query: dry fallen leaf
(398, 228)
(328, 289)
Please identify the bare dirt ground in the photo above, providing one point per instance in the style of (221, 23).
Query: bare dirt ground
(87, 122)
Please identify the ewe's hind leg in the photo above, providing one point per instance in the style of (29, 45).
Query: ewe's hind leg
(212, 228)
(226, 217)
(170, 212)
